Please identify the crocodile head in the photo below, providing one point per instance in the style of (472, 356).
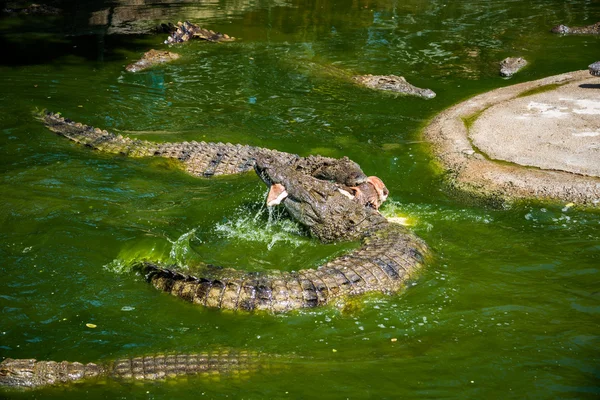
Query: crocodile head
(331, 210)
(17, 373)
(511, 65)
(560, 29)
(393, 83)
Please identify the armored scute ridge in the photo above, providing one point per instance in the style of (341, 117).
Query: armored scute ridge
(186, 31)
(382, 264)
(198, 158)
(201, 158)
(30, 373)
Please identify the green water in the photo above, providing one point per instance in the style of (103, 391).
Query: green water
(508, 308)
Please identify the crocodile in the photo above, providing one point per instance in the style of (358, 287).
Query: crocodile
(152, 58)
(32, 374)
(33, 9)
(393, 83)
(593, 29)
(389, 254)
(182, 32)
(511, 65)
(186, 31)
(200, 158)
(332, 198)
(595, 68)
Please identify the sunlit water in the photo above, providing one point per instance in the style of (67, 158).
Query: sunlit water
(508, 308)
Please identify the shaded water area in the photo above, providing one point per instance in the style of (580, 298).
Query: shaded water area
(508, 308)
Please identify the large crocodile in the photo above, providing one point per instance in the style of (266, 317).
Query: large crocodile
(321, 193)
(31, 373)
(593, 29)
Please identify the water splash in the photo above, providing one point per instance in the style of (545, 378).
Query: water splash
(266, 225)
(181, 247)
(178, 252)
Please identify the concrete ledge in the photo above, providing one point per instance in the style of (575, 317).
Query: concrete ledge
(524, 153)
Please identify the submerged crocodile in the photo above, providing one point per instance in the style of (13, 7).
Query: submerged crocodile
(31, 373)
(332, 198)
(511, 65)
(595, 68)
(152, 58)
(393, 83)
(593, 29)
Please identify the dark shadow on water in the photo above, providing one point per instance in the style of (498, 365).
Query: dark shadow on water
(40, 39)
(590, 86)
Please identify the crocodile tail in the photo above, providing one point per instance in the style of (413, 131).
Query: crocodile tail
(234, 290)
(96, 138)
(210, 363)
(30, 373)
(197, 158)
(382, 264)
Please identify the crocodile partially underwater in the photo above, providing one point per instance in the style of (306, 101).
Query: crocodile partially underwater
(182, 32)
(186, 31)
(393, 83)
(593, 29)
(152, 58)
(511, 65)
(332, 198)
(32, 374)
(595, 68)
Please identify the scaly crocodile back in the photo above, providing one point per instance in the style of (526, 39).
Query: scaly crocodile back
(30, 373)
(386, 259)
(197, 158)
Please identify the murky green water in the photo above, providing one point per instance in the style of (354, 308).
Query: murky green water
(509, 308)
